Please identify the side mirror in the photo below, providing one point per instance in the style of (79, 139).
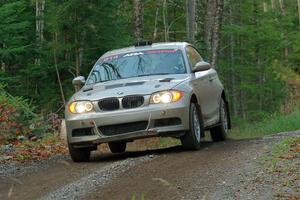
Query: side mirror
(78, 82)
(201, 66)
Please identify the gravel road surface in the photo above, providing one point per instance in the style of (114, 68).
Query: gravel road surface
(217, 171)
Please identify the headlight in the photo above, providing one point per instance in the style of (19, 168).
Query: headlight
(81, 107)
(166, 97)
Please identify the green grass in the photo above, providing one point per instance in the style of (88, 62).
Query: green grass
(271, 125)
(281, 164)
(277, 150)
(243, 130)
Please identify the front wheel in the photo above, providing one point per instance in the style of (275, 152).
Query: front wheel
(117, 147)
(192, 138)
(219, 133)
(79, 154)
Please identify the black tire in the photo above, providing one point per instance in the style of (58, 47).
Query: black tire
(219, 133)
(79, 154)
(192, 138)
(117, 147)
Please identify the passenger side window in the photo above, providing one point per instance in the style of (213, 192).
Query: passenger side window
(193, 56)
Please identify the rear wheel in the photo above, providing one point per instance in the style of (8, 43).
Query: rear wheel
(192, 138)
(219, 133)
(79, 154)
(117, 147)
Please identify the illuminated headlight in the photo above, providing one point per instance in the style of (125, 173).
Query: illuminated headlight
(81, 107)
(166, 97)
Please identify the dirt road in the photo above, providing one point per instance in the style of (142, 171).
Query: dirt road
(217, 171)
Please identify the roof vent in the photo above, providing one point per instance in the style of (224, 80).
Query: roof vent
(143, 43)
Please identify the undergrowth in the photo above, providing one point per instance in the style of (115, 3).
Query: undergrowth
(271, 125)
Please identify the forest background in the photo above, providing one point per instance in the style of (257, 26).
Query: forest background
(253, 44)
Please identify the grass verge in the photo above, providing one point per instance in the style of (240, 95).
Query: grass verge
(271, 125)
(282, 164)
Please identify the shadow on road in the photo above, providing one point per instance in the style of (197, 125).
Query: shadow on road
(109, 157)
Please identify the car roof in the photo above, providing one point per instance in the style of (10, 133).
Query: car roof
(154, 46)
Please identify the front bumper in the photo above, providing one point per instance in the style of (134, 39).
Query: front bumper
(149, 113)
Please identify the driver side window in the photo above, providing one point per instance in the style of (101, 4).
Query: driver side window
(193, 56)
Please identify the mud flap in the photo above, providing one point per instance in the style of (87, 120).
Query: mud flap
(228, 114)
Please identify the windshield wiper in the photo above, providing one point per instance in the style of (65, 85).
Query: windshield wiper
(141, 75)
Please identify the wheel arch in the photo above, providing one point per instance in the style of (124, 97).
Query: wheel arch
(194, 99)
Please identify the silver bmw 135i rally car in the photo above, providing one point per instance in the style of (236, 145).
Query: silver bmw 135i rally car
(149, 90)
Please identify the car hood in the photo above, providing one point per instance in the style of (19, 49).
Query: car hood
(131, 86)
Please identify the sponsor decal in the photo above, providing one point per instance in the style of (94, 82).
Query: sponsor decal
(162, 51)
(133, 54)
(114, 57)
(159, 51)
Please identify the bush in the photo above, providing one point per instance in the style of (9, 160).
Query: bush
(8, 123)
(18, 118)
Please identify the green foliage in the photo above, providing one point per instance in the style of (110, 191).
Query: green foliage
(18, 117)
(275, 123)
(14, 31)
(252, 62)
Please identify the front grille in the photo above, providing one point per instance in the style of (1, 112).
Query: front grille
(109, 104)
(167, 122)
(82, 132)
(132, 101)
(123, 128)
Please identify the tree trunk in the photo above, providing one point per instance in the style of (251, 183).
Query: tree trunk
(42, 22)
(257, 54)
(273, 5)
(77, 57)
(57, 72)
(265, 6)
(191, 20)
(165, 18)
(216, 33)
(232, 69)
(232, 76)
(208, 25)
(240, 80)
(213, 23)
(282, 8)
(77, 47)
(155, 25)
(39, 14)
(259, 77)
(299, 10)
(138, 19)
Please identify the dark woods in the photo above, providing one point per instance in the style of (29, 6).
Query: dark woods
(254, 44)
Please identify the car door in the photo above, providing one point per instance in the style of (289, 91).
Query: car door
(204, 86)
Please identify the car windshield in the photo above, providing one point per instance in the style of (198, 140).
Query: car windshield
(137, 64)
